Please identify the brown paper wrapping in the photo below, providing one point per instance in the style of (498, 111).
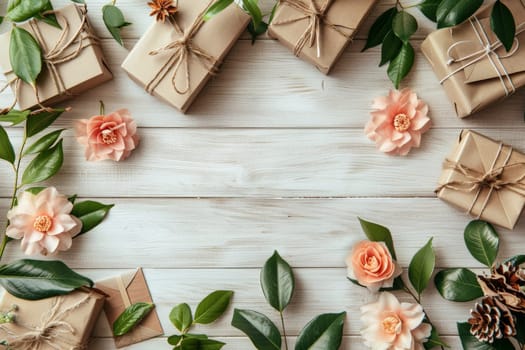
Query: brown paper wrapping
(478, 85)
(123, 291)
(347, 15)
(79, 74)
(216, 37)
(79, 310)
(479, 153)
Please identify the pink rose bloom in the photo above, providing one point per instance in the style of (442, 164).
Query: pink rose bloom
(391, 325)
(43, 222)
(371, 264)
(111, 136)
(397, 122)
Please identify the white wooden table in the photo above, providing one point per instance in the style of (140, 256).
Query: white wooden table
(271, 156)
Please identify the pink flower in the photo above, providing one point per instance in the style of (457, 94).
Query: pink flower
(43, 222)
(391, 325)
(371, 264)
(111, 136)
(397, 122)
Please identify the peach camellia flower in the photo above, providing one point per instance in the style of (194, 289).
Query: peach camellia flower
(371, 264)
(391, 325)
(43, 222)
(397, 122)
(111, 136)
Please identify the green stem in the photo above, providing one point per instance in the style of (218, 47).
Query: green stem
(284, 331)
(102, 107)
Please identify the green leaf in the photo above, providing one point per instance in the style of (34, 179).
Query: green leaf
(452, 12)
(1, 19)
(256, 31)
(404, 25)
(6, 148)
(39, 122)
(14, 117)
(174, 339)
(277, 282)
(516, 260)
(380, 28)
(114, 21)
(47, 17)
(421, 267)
(34, 279)
(390, 48)
(21, 10)
(79, 1)
(324, 332)
(400, 66)
(378, 233)
(45, 165)
(213, 306)
(25, 55)
(254, 11)
(90, 213)
(200, 344)
(35, 190)
(131, 317)
(458, 285)
(470, 342)
(434, 340)
(44, 142)
(216, 8)
(482, 241)
(260, 329)
(503, 24)
(429, 8)
(181, 317)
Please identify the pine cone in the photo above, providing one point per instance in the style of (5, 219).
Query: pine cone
(491, 320)
(508, 283)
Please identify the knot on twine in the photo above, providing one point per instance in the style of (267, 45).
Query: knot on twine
(181, 50)
(316, 18)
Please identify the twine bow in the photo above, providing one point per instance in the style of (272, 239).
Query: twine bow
(475, 181)
(316, 16)
(489, 51)
(181, 50)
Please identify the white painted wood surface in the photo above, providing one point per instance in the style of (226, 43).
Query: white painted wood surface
(271, 156)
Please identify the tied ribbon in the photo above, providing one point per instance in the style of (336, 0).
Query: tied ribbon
(53, 330)
(60, 52)
(316, 16)
(475, 181)
(181, 50)
(489, 51)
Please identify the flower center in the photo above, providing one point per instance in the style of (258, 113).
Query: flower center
(108, 137)
(371, 262)
(401, 122)
(392, 324)
(42, 223)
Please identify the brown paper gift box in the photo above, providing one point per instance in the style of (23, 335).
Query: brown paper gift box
(215, 38)
(478, 85)
(123, 291)
(291, 26)
(479, 155)
(66, 320)
(78, 74)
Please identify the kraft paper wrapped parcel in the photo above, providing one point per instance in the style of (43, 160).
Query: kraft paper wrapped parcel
(174, 59)
(318, 31)
(72, 59)
(474, 68)
(485, 178)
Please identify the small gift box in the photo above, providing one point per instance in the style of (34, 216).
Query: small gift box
(486, 178)
(318, 31)
(174, 59)
(123, 291)
(72, 59)
(62, 322)
(471, 63)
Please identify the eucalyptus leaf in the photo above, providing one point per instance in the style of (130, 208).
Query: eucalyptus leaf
(429, 8)
(324, 332)
(131, 317)
(470, 342)
(421, 267)
(114, 21)
(404, 25)
(452, 12)
(380, 28)
(39, 122)
(45, 165)
(400, 66)
(277, 282)
(180, 317)
(90, 213)
(213, 306)
(22, 10)
(503, 24)
(482, 241)
(378, 233)
(458, 285)
(260, 329)
(216, 8)
(25, 55)
(14, 117)
(7, 152)
(43, 143)
(34, 279)
(390, 48)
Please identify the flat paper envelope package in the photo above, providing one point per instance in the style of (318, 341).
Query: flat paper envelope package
(474, 68)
